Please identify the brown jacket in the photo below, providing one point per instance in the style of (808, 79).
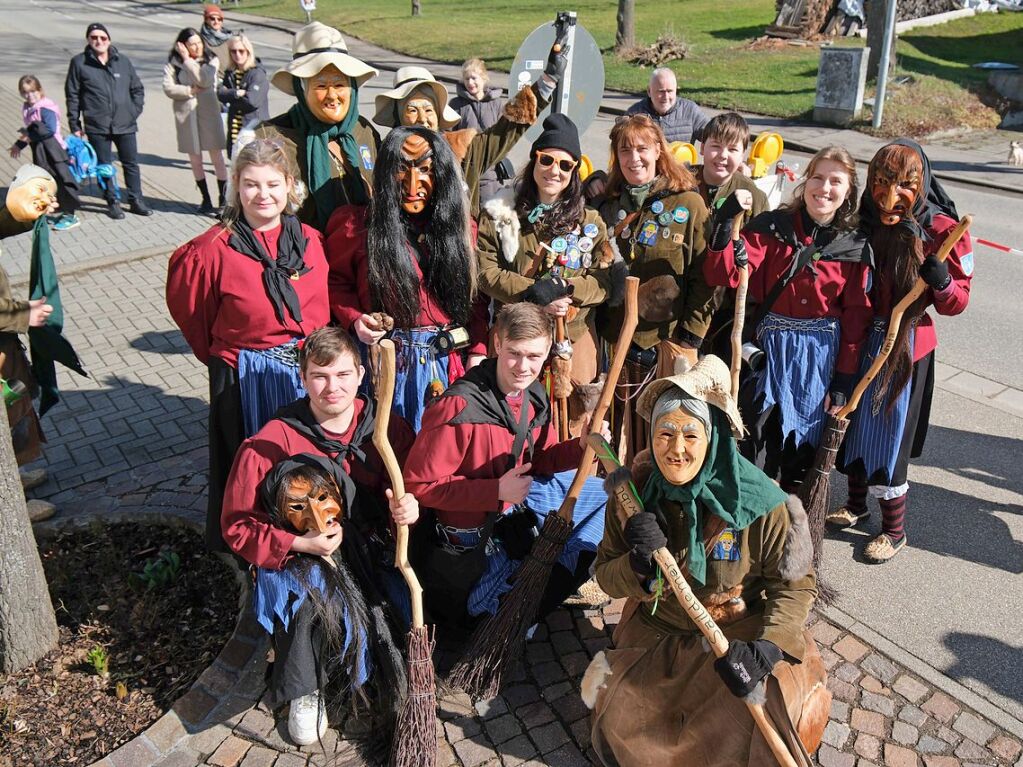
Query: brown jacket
(502, 273)
(650, 254)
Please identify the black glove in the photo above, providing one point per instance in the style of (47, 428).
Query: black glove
(594, 186)
(935, 273)
(739, 249)
(557, 62)
(722, 214)
(841, 387)
(619, 272)
(517, 532)
(727, 208)
(542, 292)
(505, 170)
(745, 664)
(644, 536)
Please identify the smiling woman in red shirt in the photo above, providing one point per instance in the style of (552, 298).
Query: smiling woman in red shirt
(244, 293)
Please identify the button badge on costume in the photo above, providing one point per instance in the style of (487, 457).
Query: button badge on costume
(366, 157)
(681, 214)
(648, 234)
(622, 214)
(586, 244)
(559, 244)
(664, 218)
(727, 547)
(657, 207)
(590, 230)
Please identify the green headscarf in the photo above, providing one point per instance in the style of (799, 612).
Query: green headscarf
(728, 485)
(318, 136)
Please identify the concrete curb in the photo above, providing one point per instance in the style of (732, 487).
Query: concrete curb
(231, 681)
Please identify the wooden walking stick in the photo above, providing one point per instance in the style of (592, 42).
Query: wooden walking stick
(628, 503)
(739, 320)
(415, 734)
(815, 492)
(498, 642)
(561, 375)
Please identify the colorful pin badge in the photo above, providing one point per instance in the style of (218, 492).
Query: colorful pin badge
(648, 234)
(664, 218)
(590, 230)
(665, 232)
(657, 207)
(585, 244)
(574, 258)
(366, 157)
(621, 215)
(626, 233)
(677, 238)
(559, 245)
(587, 260)
(681, 214)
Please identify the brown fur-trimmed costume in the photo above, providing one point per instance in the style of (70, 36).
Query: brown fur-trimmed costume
(656, 697)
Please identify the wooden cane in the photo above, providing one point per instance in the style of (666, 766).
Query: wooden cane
(628, 503)
(739, 319)
(559, 335)
(629, 321)
(385, 398)
(896, 319)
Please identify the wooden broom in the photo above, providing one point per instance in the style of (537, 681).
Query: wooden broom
(628, 503)
(415, 733)
(739, 319)
(815, 492)
(498, 642)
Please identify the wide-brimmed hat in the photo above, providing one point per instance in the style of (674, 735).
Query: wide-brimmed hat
(315, 47)
(406, 80)
(708, 380)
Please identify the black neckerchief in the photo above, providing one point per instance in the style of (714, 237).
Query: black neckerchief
(851, 246)
(299, 416)
(485, 404)
(279, 272)
(932, 200)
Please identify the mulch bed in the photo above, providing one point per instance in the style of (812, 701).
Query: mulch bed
(149, 601)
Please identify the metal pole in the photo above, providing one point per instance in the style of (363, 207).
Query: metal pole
(886, 55)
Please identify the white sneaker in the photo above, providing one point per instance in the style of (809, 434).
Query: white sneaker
(307, 721)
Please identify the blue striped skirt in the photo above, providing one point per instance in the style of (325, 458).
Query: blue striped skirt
(801, 357)
(267, 379)
(545, 497)
(875, 433)
(417, 367)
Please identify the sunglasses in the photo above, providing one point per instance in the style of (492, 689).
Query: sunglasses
(98, 38)
(214, 18)
(547, 160)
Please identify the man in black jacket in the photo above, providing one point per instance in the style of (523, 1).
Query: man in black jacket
(105, 93)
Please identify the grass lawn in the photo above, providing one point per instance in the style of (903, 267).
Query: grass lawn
(720, 70)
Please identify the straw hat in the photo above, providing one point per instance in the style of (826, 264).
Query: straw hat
(406, 80)
(313, 48)
(708, 380)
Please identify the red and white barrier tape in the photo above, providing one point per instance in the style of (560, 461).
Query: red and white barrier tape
(999, 246)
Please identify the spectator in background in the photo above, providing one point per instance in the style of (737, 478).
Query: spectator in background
(42, 131)
(213, 34)
(479, 107)
(104, 100)
(245, 89)
(190, 81)
(679, 119)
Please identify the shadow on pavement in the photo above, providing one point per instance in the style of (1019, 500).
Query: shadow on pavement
(986, 660)
(986, 458)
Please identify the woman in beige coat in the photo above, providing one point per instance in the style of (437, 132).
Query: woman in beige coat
(190, 80)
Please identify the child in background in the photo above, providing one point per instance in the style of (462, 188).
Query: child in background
(42, 132)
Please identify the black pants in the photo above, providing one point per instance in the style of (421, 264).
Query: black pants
(226, 434)
(49, 155)
(127, 153)
(299, 666)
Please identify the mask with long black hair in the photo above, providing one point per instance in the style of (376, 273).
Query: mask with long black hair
(441, 231)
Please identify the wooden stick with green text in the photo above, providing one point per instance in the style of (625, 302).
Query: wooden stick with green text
(628, 503)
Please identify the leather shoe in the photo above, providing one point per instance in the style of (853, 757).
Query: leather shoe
(139, 208)
(114, 211)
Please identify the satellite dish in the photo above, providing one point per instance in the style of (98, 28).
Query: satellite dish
(581, 89)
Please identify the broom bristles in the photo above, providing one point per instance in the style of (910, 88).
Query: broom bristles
(499, 641)
(815, 493)
(415, 732)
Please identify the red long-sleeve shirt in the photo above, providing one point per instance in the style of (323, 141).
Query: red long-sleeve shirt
(838, 290)
(950, 301)
(349, 280)
(244, 523)
(216, 295)
(454, 468)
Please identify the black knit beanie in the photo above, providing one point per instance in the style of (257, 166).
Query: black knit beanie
(94, 26)
(559, 132)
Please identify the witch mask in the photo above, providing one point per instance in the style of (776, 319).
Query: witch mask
(415, 174)
(679, 445)
(895, 179)
(309, 499)
(30, 194)
(328, 94)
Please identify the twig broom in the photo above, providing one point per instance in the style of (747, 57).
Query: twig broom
(498, 642)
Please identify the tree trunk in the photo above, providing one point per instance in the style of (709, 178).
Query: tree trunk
(625, 37)
(28, 629)
(415, 7)
(876, 12)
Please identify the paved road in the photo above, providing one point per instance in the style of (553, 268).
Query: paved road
(952, 599)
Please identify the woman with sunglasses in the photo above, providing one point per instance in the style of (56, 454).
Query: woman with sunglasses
(657, 218)
(541, 244)
(245, 89)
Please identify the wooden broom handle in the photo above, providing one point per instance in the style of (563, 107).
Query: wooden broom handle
(559, 336)
(385, 399)
(629, 321)
(739, 319)
(628, 504)
(896, 319)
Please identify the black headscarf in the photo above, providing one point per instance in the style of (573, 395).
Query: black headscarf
(932, 200)
(277, 272)
(274, 477)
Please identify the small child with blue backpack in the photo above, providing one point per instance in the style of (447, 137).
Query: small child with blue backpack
(42, 132)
